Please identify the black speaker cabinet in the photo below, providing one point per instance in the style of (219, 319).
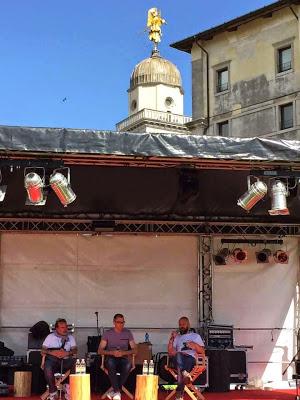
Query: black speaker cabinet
(218, 371)
(238, 366)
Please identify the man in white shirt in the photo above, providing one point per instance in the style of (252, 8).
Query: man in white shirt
(59, 348)
(184, 346)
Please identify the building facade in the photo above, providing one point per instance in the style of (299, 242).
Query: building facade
(246, 75)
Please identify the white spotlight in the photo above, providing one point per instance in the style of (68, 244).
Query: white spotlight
(2, 188)
(279, 195)
(61, 186)
(34, 186)
(255, 192)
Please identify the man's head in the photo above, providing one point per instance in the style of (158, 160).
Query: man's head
(119, 322)
(184, 325)
(61, 327)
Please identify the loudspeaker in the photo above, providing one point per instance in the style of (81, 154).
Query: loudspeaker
(38, 384)
(219, 372)
(238, 366)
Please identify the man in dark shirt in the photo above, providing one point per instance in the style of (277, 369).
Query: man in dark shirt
(117, 344)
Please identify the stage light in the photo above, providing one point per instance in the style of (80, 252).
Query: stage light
(254, 194)
(221, 257)
(262, 257)
(61, 186)
(279, 195)
(281, 257)
(34, 185)
(239, 255)
(2, 188)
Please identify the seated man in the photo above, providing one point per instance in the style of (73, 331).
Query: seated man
(59, 348)
(184, 347)
(117, 344)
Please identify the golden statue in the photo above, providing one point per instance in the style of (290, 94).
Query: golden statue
(154, 24)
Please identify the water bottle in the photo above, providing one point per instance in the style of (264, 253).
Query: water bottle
(147, 337)
(145, 367)
(151, 367)
(77, 366)
(83, 366)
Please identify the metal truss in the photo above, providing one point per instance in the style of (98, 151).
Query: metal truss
(146, 227)
(205, 280)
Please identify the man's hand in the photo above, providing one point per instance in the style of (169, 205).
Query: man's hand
(173, 335)
(59, 353)
(191, 345)
(118, 353)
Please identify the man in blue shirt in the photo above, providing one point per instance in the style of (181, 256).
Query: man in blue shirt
(59, 348)
(184, 346)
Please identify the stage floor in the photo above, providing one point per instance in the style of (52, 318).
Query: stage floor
(234, 394)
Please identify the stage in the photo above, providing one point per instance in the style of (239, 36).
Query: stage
(234, 394)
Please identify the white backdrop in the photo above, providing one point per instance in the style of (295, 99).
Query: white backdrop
(152, 280)
(256, 298)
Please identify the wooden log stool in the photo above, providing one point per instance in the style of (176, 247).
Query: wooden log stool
(22, 383)
(80, 387)
(146, 387)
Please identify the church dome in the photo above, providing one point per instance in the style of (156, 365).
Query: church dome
(155, 69)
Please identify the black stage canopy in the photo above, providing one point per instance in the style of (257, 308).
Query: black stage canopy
(148, 177)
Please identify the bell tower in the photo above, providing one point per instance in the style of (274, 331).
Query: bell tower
(155, 94)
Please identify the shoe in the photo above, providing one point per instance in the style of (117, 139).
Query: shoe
(66, 390)
(110, 394)
(186, 377)
(117, 396)
(53, 396)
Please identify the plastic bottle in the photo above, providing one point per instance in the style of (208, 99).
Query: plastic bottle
(151, 367)
(147, 337)
(77, 366)
(83, 366)
(145, 367)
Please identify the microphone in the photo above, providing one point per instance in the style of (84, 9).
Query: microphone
(63, 342)
(96, 312)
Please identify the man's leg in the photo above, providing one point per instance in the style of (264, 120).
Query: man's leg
(52, 366)
(125, 367)
(111, 365)
(179, 362)
(68, 364)
(184, 364)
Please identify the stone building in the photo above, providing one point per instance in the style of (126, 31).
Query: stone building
(246, 74)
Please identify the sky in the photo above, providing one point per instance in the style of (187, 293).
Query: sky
(67, 63)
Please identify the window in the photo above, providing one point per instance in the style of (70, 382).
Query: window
(223, 128)
(285, 58)
(222, 79)
(286, 116)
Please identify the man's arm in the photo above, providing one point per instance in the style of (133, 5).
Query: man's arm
(195, 346)
(171, 348)
(72, 352)
(133, 349)
(102, 351)
(61, 353)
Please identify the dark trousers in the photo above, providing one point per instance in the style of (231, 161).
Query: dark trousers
(116, 365)
(53, 365)
(183, 362)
